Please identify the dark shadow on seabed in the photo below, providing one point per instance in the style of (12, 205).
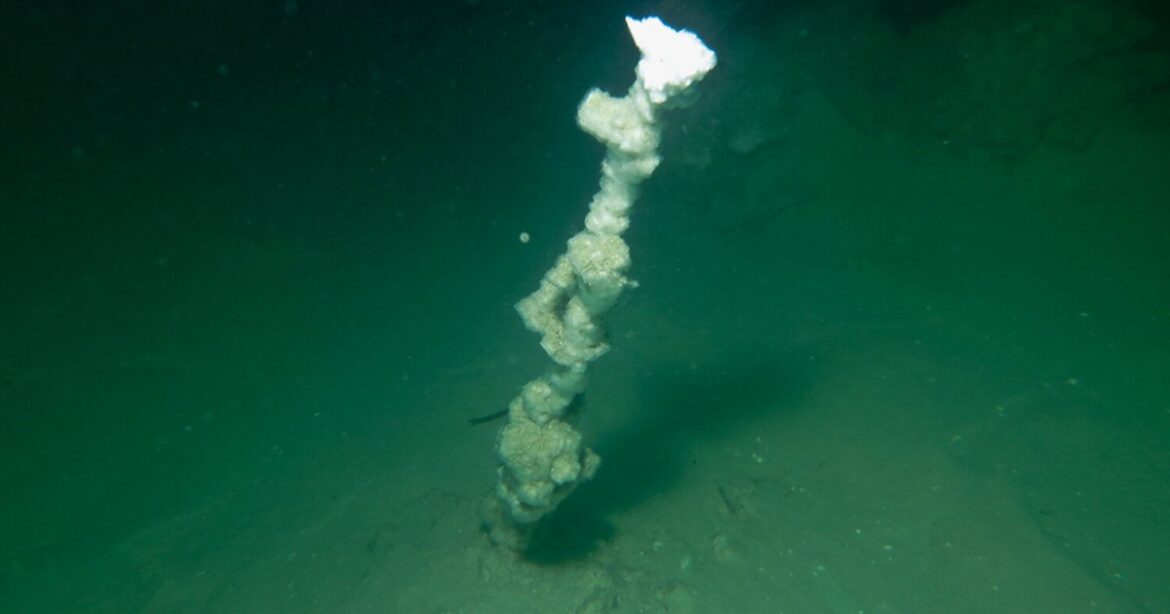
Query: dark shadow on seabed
(653, 456)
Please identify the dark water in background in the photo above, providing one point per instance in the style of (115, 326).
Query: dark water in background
(256, 254)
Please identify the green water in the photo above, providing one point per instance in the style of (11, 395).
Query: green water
(901, 341)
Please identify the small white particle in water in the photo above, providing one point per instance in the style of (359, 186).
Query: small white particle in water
(524, 237)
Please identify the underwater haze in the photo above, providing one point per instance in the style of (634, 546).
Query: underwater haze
(900, 341)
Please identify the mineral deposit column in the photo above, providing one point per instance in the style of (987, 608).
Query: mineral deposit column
(541, 455)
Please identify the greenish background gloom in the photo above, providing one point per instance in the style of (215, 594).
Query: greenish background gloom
(901, 341)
